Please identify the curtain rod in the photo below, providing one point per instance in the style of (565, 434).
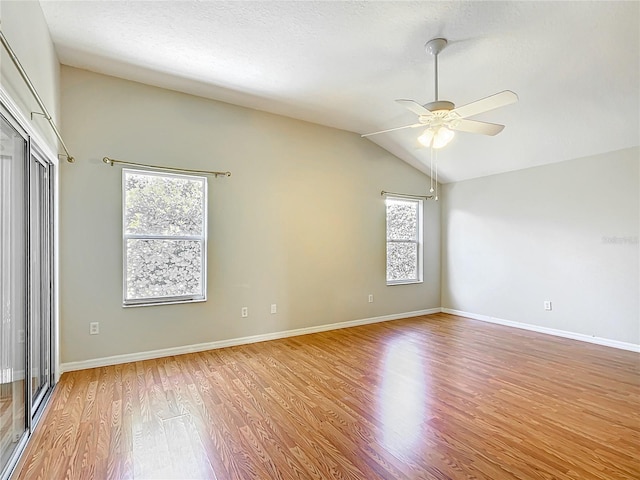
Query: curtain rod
(33, 91)
(406, 195)
(111, 161)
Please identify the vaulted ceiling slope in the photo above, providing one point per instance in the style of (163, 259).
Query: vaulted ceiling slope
(574, 65)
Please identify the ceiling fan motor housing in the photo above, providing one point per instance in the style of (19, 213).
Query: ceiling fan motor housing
(439, 105)
(439, 114)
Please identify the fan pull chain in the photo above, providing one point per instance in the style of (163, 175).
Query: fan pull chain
(431, 169)
(436, 197)
(433, 159)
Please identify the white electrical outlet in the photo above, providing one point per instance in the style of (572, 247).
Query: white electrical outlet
(244, 312)
(94, 328)
(371, 298)
(547, 304)
(274, 308)
(20, 336)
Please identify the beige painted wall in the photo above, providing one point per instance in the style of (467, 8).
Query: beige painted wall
(301, 222)
(566, 232)
(24, 26)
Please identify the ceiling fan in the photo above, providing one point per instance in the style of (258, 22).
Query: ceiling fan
(441, 118)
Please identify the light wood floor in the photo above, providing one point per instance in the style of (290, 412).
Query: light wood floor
(436, 397)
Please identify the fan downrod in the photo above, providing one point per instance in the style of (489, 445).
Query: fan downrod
(434, 47)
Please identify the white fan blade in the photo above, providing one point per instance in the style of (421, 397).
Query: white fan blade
(474, 126)
(414, 107)
(415, 125)
(484, 105)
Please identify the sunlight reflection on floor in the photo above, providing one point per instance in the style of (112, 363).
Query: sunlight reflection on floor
(403, 395)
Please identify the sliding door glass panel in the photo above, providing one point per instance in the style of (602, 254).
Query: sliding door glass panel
(40, 258)
(13, 294)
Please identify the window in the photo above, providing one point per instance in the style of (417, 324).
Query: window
(164, 237)
(404, 240)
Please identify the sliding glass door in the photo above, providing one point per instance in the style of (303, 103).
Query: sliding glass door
(13, 288)
(26, 287)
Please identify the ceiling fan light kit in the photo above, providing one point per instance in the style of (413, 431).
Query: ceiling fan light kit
(440, 118)
(436, 137)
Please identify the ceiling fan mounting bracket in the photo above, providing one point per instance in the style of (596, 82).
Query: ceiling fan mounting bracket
(435, 46)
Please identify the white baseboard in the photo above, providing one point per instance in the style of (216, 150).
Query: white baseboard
(549, 331)
(201, 347)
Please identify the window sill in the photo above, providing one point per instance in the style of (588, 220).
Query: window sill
(404, 282)
(168, 302)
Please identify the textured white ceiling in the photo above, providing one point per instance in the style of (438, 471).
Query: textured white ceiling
(574, 65)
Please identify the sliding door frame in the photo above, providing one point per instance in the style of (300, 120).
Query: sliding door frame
(38, 155)
(37, 159)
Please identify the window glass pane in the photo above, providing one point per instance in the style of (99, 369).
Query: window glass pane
(40, 233)
(163, 205)
(402, 261)
(402, 220)
(163, 268)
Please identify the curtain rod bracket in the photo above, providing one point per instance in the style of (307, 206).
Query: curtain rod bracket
(32, 89)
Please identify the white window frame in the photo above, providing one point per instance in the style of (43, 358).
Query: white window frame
(166, 300)
(418, 240)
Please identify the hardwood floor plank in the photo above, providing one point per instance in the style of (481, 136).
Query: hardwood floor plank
(433, 397)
